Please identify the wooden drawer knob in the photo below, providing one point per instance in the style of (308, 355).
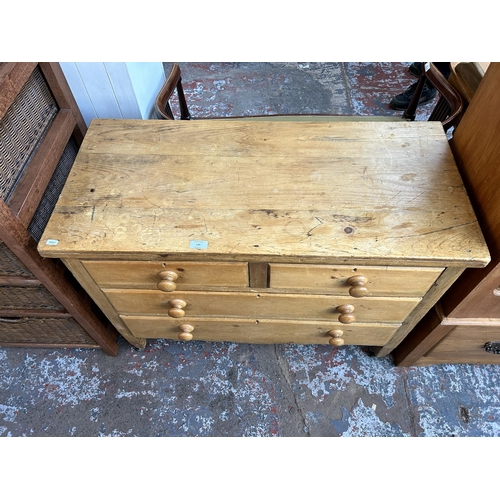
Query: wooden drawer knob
(166, 283)
(346, 315)
(177, 308)
(357, 284)
(185, 332)
(336, 339)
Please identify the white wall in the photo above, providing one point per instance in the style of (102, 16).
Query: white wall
(114, 90)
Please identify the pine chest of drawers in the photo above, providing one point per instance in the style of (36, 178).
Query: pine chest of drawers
(265, 232)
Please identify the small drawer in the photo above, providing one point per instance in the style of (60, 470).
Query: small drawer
(257, 331)
(184, 275)
(376, 281)
(262, 305)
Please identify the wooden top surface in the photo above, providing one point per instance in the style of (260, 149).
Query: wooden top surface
(386, 192)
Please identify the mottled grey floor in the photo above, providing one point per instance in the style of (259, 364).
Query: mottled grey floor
(225, 389)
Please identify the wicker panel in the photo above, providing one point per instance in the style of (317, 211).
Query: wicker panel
(49, 331)
(22, 127)
(10, 265)
(51, 195)
(35, 296)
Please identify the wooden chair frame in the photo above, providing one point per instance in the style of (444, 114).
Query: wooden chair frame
(162, 102)
(448, 109)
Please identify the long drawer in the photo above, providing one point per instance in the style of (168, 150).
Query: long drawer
(263, 305)
(256, 331)
(379, 281)
(60, 331)
(32, 296)
(473, 343)
(139, 274)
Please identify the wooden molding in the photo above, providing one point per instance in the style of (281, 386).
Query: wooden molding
(12, 78)
(32, 185)
(63, 96)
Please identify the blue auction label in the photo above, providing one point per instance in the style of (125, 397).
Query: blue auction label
(198, 244)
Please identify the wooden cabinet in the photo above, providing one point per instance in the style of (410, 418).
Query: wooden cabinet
(41, 130)
(265, 232)
(473, 343)
(466, 322)
(445, 339)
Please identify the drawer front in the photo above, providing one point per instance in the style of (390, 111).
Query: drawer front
(380, 281)
(257, 331)
(138, 274)
(262, 305)
(10, 265)
(28, 297)
(466, 344)
(43, 331)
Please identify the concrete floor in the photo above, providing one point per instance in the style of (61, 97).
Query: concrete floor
(224, 389)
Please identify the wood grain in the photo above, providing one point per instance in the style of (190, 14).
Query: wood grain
(254, 331)
(100, 299)
(381, 281)
(293, 210)
(442, 284)
(465, 344)
(191, 275)
(64, 97)
(263, 305)
(476, 148)
(382, 192)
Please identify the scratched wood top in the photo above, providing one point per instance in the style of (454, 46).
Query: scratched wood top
(385, 192)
